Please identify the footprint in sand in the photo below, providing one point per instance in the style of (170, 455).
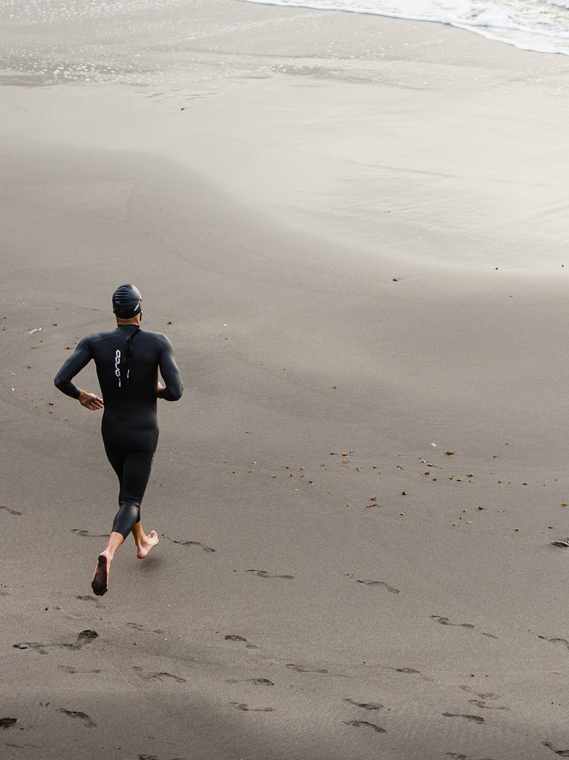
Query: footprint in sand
(191, 543)
(86, 534)
(300, 669)
(462, 757)
(7, 722)
(162, 675)
(472, 718)
(32, 645)
(446, 621)
(82, 638)
(139, 627)
(12, 511)
(157, 676)
(365, 705)
(556, 641)
(560, 752)
(481, 704)
(87, 635)
(234, 637)
(245, 708)
(87, 722)
(22, 746)
(362, 723)
(480, 695)
(380, 583)
(411, 671)
(98, 604)
(256, 681)
(155, 757)
(70, 669)
(265, 574)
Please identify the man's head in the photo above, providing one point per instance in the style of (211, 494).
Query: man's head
(126, 304)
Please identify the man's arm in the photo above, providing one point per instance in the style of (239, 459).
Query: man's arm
(171, 375)
(72, 366)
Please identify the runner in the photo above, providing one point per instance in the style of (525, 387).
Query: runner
(127, 361)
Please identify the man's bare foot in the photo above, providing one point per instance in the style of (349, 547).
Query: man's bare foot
(146, 544)
(100, 582)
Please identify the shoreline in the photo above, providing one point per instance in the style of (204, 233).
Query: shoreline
(412, 147)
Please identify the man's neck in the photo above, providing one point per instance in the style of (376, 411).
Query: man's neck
(132, 321)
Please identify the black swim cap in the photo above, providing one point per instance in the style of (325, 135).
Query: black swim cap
(126, 301)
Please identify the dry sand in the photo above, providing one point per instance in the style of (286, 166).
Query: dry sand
(321, 245)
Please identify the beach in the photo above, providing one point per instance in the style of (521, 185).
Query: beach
(353, 231)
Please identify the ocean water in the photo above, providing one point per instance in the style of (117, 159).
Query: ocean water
(538, 25)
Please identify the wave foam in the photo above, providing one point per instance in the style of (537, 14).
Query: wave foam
(538, 25)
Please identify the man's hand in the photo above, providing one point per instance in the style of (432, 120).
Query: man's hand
(90, 401)
(160, 387)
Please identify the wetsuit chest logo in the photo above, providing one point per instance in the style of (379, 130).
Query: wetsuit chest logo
(118, 365)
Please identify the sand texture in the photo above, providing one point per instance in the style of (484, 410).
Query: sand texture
(360, 262)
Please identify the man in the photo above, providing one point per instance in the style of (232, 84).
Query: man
(127, 361)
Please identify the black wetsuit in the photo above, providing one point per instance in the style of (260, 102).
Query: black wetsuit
(127, 361)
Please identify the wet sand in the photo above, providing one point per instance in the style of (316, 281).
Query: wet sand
(357, 495)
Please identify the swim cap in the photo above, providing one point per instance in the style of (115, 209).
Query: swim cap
(126, 301)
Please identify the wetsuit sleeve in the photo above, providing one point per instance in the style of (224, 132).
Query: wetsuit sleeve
(170, 374)
(79, 359)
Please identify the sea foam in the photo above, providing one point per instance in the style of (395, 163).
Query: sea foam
(538, 25)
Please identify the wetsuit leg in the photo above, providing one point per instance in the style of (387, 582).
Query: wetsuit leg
(132, 467)
(126, 518)
(135, 475)
(116, 458)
